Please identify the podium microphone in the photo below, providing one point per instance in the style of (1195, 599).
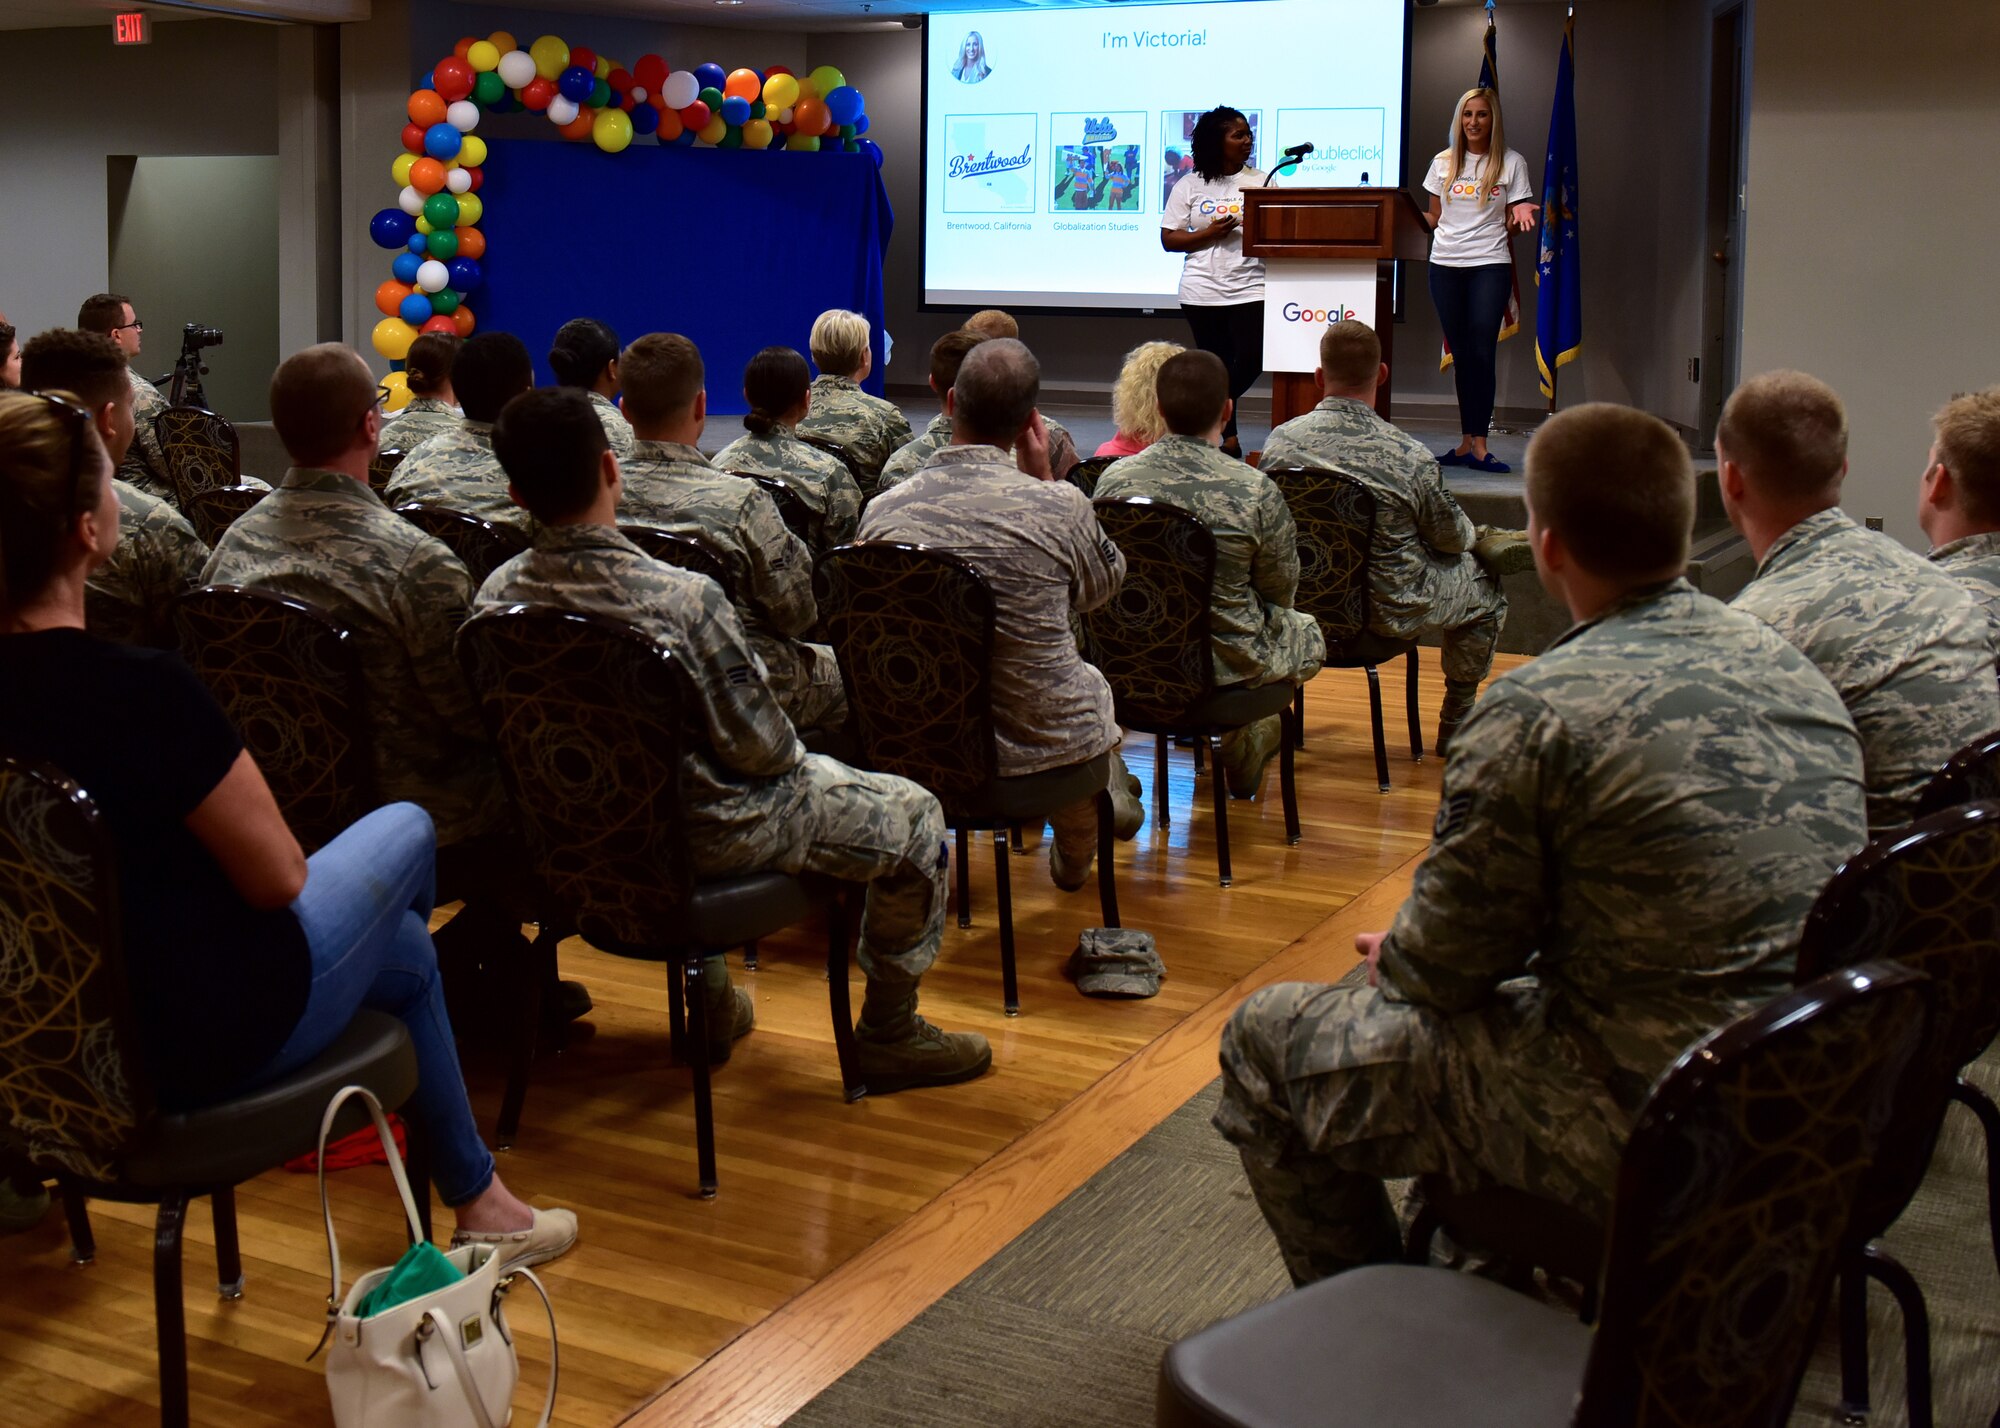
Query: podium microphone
(1298, 151)
(1294, 156)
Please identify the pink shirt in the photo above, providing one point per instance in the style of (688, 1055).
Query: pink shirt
(1120, 445)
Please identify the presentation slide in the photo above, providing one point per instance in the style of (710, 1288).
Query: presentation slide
(1053, 138)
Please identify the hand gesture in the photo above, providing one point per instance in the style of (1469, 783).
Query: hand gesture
(1524, 216)
(1031, 449)
(1369, 945)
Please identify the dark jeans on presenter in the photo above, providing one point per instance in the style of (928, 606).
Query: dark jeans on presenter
(1235, 333)
(1470, 303)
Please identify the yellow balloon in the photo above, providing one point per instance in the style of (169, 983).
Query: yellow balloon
(483, 56)
(472, 151)
(424, 226)
(551, 56)
(717, 129)
(392, 338)
(502, 41)
(757, 134)
(807, 142)
(470, 208)
(779, 91)
(604, 67)
(398, 386)
(400, 170)
(612, 130)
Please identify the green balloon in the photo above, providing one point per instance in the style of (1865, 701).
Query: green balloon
(600, 95)
(731, 140)
(489, 87)
(853, 146)
(712, 97)
(442, 211)
(444, 302)
(441, 245)
(757, 109)
(847, 131)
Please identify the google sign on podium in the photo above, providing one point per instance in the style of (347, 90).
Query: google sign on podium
(1301, 297)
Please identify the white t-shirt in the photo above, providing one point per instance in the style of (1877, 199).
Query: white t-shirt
(1471, 234)
(1218, 274)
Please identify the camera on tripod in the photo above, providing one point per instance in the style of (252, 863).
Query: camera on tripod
(189, 369)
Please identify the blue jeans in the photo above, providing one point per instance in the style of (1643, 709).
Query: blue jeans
(1470, 303)
(366, 913)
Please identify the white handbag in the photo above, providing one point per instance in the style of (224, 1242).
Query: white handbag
(444, 1359)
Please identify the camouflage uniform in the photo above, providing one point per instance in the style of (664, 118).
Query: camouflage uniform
(1901, 640)
(158, 556)
(756, 800)
(617, 430)
(1974, 562)
(818, 478)
(911, 456)
(327, 539)
(1422, 579)
(457, 469)
(869, 427)
(419, 420)
(1631, 831)
(674, 488)
(145, 465)
(1259, 637)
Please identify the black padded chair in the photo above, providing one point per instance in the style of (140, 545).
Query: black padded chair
(795, 513)
(483, 545)
(202, 452)
(75, 1096)
(863, 477)
(1972, 775)
(1084, 474)
(913, 629)
(1153, 643)
(215, 510)
(686, 552)
(1335, 517)
(383, 467)
(1733, 1200)
(1928, 898)
(590, 717)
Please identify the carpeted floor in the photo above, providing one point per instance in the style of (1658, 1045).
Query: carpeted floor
(1065, 1327)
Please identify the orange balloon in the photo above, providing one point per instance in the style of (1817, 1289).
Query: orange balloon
(809, 115)
(579, 127)
(427, 107)
(389, 296)
(427, 175)
(463, 317)
(463, 45)
(743, 84)
(471, 243)
(670, 125)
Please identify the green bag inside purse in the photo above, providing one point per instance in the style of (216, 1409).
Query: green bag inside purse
(422, 1270)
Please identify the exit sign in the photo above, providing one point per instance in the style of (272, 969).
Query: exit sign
(131, 29)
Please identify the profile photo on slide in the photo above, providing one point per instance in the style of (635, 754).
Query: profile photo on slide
(970, 67)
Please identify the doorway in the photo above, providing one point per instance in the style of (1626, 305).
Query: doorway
(1722, 285)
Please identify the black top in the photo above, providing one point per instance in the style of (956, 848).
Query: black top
(216, 985)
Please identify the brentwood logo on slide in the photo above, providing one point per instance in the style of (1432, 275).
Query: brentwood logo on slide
(971, 166)
(1317, 316)
(1100, 131)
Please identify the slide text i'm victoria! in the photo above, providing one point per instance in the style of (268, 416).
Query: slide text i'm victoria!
(1153, 39)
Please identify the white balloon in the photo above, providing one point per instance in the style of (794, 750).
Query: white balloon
(433, 275)
(638, 93)
(681, 89)
(517, 69)
(458, 181)
(410, 201)
(562, 110)
(463, 116)
(785, 115)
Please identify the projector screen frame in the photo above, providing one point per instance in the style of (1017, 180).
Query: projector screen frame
(1170, 310)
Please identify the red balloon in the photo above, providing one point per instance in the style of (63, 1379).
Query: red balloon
(695, 116)
(452, 79)
(458, 52)
(584, 57)
(478, 178)
(537, 93)
(650, 73)
(441, 323)
(413, 138)
(777, 69)
(620, 79)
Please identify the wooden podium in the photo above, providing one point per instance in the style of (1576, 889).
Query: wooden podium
(1326, 250)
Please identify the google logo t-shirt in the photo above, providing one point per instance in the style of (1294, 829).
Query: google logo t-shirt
(1471, 234)
(1218, 274)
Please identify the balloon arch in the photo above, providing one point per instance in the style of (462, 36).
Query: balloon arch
(435, 223)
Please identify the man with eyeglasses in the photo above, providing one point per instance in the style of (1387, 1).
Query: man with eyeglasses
(145, 465)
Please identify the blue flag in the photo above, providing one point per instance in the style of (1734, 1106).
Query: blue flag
(1559, 268)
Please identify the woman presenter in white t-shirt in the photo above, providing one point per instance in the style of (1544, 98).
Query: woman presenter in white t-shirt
(1477, 186)
(1222, 292)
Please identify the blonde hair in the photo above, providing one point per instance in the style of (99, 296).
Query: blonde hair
(1968, 446)
(38, 505)
(839, 342)
(993, 322)
(1135, 402)
(1787, 431)
(1496, 142)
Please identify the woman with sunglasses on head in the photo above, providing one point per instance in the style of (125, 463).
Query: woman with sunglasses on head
(245, 958)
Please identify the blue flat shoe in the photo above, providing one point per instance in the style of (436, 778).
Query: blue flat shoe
(1454, 458)
(1489, 463)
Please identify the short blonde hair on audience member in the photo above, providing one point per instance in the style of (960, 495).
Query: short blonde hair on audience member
(1350, 354)
(839, 342)
(318, 398)
(1968, 446)
(662, 374)
(1787, 432)
(1135, 403)
(1618, 487)
(993, 322)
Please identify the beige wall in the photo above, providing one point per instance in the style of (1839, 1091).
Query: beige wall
(1868, 255)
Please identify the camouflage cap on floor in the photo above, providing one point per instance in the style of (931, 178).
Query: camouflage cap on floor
(1116, 962)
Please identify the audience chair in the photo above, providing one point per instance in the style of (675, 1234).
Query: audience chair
(1084, 474)
(795, 513)
(201, 450)
(1335, 517)
(1971, 775)
(590, 717)
(215, 510)
(913, 629)
(74, 1088)
(1153, 643)
(1928, 898)
(863, 477)
(1708, 1316)
(686, 552)
(484, 546)
(383, 467)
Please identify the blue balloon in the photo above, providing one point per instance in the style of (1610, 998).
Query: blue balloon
(844, 104)
(391, 228)
(710, 76)
(430, 81)
(576, 83)
(872, 149)
(405, 267)
(685, 139)
(443, 141)
(861, 124)
(418, 243)
(734, 111)
(465, 275)
(645, 119)
(415, 309)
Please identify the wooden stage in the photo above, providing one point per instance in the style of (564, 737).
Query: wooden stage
(835, 1223)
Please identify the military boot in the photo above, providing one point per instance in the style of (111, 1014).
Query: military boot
(1127, 813)
(1459, 697)
(1248, 752)
(900, 1050)
(1502, 552)
(729, 1009)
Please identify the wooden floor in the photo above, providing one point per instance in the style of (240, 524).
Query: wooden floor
(661, 1280)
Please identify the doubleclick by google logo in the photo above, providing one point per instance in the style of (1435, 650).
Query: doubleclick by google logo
(1292, 312)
